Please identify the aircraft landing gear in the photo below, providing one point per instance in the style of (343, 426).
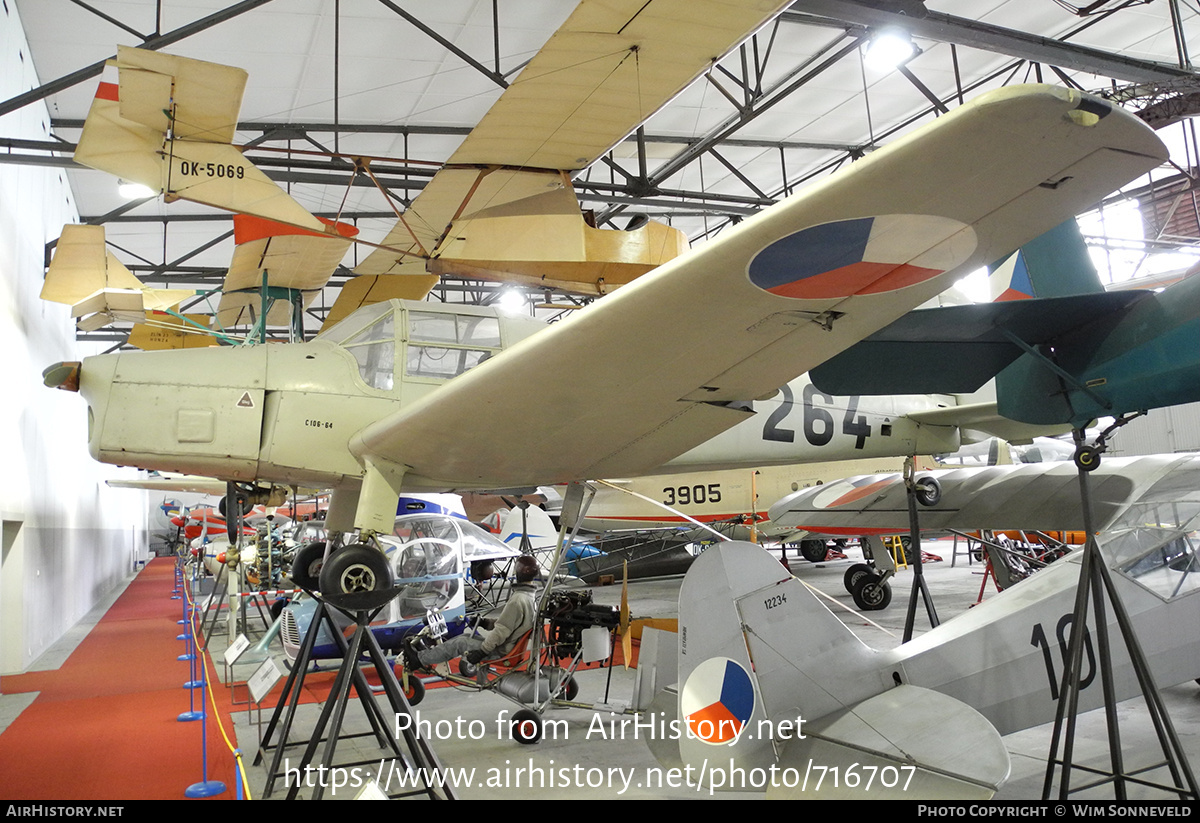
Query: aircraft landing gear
(357, 577)
(871, 592)
(813, 551)
(526, 726)
(854, 574)
(1087, 457)
(306, 566)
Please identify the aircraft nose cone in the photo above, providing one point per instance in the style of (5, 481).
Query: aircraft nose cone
(63, 375)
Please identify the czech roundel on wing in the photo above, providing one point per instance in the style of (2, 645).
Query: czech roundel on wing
(869, 255)
(718, 700)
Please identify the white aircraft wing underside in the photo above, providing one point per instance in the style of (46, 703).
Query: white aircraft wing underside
(1035, 496)
(617, 389)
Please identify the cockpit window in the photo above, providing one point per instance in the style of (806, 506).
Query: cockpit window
(374, 349)
(1163, 561)
(460, 342)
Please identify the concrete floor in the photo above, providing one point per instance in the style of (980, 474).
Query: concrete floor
(580, 753)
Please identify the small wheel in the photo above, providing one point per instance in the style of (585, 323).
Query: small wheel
(928, 491)
(854, 574)
(306, 566)
(357, 577)
(526, 726)
(415, 692)
(813, 551)
(243, 505)
(1087, 458)
(467, 670)
(571, 689)
(872, 594)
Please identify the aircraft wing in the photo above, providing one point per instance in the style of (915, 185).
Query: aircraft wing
(956, 349)
(984, 418)
(610, 66)
(287, 257)
(668, 361)
(1033, 496)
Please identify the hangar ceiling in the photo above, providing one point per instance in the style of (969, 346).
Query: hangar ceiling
(405, 80)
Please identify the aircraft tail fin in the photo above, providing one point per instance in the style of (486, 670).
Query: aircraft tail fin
(765, 667)
(168, 122)
(1053, 265)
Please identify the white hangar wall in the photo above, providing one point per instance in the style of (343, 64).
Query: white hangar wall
(66, 539)
(1162, 431)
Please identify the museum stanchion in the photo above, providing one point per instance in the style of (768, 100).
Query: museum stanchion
(328, 729)
(193, 681)
(1094, 584)
(199, 680)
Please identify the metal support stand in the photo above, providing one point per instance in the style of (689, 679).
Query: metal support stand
(421, 757)
(1094, 583)
(918, 585)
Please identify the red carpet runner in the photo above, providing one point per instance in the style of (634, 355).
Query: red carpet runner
(103, 726)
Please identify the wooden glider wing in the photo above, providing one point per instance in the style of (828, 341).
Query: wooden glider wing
(616, 389)
(287, 257)
(601, 75)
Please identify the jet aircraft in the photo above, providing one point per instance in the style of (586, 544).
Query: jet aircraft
(924, 719)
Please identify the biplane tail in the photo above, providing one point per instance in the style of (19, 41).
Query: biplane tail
(777, 694)
(168, 123)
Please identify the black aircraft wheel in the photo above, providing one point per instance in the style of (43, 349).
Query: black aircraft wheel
(278, 606)
(357, 577)
(306, 566)
(813, 551)
(526, 726)
(1087, 458)
(872, 594)
(243, 505)
(855, 573)
(415, 692)
(571, 690)
(467, 670)
(928, 491)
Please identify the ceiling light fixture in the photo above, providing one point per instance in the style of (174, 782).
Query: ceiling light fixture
(134, 191)
(890, 47)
